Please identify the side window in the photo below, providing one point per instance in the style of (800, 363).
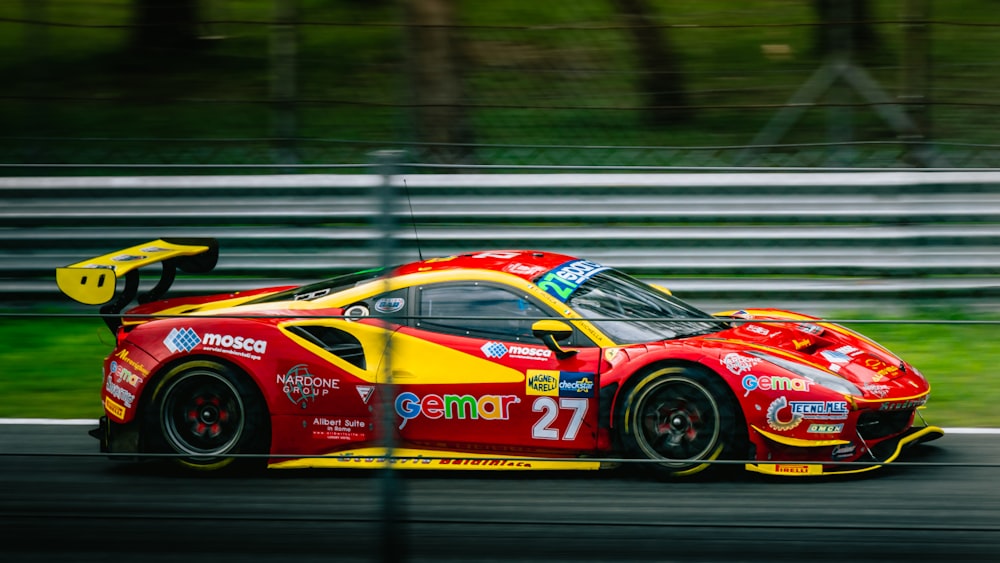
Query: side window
(478, 310)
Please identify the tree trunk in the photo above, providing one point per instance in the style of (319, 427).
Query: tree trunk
(436, 80)
(164, 27)
(857, 35)
(660, 82)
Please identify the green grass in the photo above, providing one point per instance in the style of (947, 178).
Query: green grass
(51, 367)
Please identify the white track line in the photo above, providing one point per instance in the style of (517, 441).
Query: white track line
(49, 421)
(972, 430)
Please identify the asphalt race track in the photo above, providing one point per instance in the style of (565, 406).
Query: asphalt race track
(60, 502)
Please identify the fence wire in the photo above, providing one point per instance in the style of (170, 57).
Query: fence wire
(900, 83)
(295, 91)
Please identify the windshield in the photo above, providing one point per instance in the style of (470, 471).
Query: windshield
(630, 311)
(321, 289)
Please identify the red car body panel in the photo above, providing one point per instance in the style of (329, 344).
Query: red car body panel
(812, 395)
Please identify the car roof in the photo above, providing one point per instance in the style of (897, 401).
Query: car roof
(526, 264)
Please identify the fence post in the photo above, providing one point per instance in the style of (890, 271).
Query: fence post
(916, 72)
(284, 85)
(391, 546)
(35, 40)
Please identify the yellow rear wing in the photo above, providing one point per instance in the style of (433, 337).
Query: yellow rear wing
(94, 281)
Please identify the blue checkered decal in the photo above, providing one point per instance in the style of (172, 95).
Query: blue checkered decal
(494, 349)
(182, 339)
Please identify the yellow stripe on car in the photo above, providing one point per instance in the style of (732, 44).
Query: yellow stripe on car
(408, 458)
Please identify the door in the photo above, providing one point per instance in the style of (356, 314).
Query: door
(468, 374)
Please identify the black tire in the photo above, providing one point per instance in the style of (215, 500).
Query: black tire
(207, 412)
(685, 417)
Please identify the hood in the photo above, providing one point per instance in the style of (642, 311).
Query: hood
(877, 373)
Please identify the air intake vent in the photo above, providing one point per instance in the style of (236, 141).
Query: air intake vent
(338, 342)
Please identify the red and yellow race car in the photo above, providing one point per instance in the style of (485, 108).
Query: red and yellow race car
(501, 359)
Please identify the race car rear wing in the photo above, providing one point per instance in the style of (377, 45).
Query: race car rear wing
(93, 282)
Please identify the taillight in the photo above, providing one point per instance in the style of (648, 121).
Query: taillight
(120, 335)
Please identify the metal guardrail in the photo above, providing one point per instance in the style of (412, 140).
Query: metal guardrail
(899, 233)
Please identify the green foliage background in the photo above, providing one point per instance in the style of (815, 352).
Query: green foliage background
(557, 73)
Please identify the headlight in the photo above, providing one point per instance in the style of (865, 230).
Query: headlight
(815, 375)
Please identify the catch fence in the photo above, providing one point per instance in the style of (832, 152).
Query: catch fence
(763, 235)
(779, 83)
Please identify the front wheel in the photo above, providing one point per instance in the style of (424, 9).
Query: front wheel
(683, 417)
(205, 412)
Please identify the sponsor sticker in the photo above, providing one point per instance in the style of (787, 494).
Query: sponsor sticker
(564, 279)
(791, 469)
(123, 356)
(757, 329)
(542, 382)
(389, 304)
(350, 457)
(904, 405)
(802, 344)
(312, 295)
(123, 375)
(119, 392)
(186, 339)
(114, 409)
(494, 350)
(235, 343)
(453, 407)
(820, 409)
(783, 414)
(836, 357)
(526, 270)
(339, 429)
(128, 258)
(876, 389)
(302, 387)
(843, 451)
(882, 368)
(611, 353)
(738, 364)
(576, 384)
(485, 462)
(181, 340)
(365, 392)
(810, 328)
(849, 350)
(497, 350)
(553, 383)
(773, 383)
(825, 428)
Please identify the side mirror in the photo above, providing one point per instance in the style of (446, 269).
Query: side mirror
(551, 332)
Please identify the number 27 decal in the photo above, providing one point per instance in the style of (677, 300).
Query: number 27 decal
(543, 429)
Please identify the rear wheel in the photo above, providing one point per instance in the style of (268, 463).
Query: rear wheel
(683, 417)
(206, 412)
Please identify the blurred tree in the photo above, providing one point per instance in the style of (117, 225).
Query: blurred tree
(857, 33)
(660, 80)
(436, 80)
(164, 26)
